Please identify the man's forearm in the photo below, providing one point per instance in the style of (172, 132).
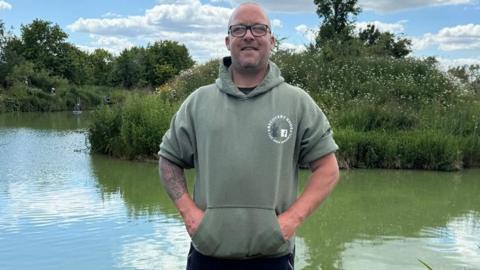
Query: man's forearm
(173, 179)
(321, 183)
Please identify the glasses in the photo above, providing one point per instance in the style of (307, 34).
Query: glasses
(240, 30)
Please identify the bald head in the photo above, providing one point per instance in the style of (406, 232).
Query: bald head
(248, 8)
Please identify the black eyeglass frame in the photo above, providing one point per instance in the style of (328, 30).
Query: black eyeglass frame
(249, 27)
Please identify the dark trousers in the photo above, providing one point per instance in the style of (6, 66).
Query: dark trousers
(198, 261)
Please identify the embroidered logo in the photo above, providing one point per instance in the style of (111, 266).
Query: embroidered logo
(280, 129)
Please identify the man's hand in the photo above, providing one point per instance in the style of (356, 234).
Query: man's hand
(288, 224)
(192, 219)
(322, 181)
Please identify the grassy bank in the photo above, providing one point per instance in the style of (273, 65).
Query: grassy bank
(21, 98)
(386, 113)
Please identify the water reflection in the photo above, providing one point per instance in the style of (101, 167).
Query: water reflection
(58, 203)
(370, 208)
(450, 247)
(137, 183)
(166, 248)
(45, 121)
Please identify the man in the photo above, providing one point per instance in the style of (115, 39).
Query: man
(246, 136)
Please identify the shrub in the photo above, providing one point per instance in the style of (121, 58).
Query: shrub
(182, 85)
(104, 131)
(144, 121)
(363, 116)
(134, 130)
(402, 150)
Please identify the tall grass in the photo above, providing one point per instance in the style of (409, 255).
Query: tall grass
(386, 113)
(399, 150)
(134, 130)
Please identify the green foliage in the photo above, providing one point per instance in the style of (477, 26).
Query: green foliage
(42, 51)
(134, 130)
(336, 38)
(467, 77)
(21, 97)
(344, 82)
(189, 80)
(104, 132)
(428, 149)
(101, 62)
(151, 66)
(144, 121)
(383, 44)
(365, 116)
(336, 24)
(129, 67)
(44, 45)
(166, 59)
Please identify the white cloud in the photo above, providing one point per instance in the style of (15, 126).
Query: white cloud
(201, 27)
(446, 63)
(111, 15)
(389, 6)
(5, 5)
(382, 27)
(293, 47)
(456, 38)
(302, 28)
(308, 33)
(375, 5)
(276, 23)
(114, 45)
(130, 26)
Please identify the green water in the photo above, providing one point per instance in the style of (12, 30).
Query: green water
(63, 208)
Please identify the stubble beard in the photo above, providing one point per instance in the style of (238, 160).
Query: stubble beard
(252, 66)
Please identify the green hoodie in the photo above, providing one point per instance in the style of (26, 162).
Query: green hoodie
(246, 151)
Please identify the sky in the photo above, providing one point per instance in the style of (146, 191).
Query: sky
(446, 29)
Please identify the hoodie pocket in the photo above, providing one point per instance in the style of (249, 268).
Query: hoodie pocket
(239, 233)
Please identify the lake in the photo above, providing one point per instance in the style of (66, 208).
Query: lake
(64, 208)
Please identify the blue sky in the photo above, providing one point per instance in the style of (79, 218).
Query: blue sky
(446, 29)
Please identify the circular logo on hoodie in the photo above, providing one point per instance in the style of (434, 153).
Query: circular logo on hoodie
(280, 129)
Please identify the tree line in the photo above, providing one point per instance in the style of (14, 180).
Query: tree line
(41, 57)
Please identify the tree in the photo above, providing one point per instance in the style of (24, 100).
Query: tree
(101, 62)
(384, 43)
(336, 24)
(3, 42)
(336, 38)
(74, 65)
(44, 45)
(166, 59)
(129, 68)
(11, 50)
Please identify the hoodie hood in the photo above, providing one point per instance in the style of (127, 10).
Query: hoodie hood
(226, 85)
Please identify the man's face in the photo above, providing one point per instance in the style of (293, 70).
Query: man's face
(249, 52)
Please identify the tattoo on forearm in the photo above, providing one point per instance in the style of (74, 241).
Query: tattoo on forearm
(173, 179)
